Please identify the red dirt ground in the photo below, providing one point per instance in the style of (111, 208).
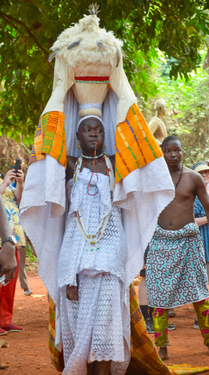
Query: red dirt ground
(28, 352)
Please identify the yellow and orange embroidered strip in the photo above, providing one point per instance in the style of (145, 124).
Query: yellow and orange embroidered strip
(56, 356)
(145, 359)
(50, 138)
(143, 352)
(135, 145)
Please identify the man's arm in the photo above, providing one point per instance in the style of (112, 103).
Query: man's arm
(202, 193)
(8, 262)
(201, 220)
(70, 166)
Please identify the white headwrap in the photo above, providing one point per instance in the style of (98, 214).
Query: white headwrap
(89, 116)
(90, 105)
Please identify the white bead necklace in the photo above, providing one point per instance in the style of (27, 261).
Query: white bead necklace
(92, 157)
(93, 239)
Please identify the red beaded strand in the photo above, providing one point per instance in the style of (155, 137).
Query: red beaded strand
(92, 173)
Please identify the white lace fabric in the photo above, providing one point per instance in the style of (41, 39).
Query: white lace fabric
(80, 188)
(121, 255)
(110, 252)
(97, 327)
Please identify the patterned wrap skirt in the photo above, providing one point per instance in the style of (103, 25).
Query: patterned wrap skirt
(176, 269)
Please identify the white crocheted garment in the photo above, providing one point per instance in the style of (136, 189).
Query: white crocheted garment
(76, 254)
(97, 327)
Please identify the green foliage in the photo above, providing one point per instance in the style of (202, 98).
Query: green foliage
(188, 112)
(31, 260)
(29, 28)
(138, 65)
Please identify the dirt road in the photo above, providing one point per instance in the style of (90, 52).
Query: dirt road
(28, 352)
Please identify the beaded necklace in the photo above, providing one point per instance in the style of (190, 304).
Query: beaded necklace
(92, 157)
(93, 239)
(180, 176)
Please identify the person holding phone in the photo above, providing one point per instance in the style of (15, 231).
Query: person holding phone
(11, 197)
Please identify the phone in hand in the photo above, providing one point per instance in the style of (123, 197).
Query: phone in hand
(17, 165)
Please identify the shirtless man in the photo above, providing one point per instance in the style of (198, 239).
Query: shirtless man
(175, 270)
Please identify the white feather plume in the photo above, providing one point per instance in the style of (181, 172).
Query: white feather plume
(87, 38)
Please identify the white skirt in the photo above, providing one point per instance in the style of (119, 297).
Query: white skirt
(97, 327)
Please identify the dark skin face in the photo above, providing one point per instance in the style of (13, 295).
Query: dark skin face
(91, 137)
(181, 210)
(91, 133)
(173, 153)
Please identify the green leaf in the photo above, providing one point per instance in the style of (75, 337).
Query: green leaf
(38, 78)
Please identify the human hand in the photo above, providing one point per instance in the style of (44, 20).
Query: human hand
(9, 177)
(20, 176)
(8, 262)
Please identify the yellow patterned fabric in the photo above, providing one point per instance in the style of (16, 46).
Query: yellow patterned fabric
(144, 355)
(145, 358)
(56, 356)
(135, 145)
(50, 138)
(187, 369)
(13, 214)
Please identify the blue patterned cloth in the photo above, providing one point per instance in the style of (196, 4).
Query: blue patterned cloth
(204, 229)
(175, 269)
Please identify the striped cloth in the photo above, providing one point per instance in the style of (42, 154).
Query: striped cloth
(50, 138)
(56, 356)
(135, 145)
(144, 356)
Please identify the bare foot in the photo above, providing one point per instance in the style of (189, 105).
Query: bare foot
(163, 353)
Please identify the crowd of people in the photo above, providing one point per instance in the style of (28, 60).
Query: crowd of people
(99, 191)
(177, 257)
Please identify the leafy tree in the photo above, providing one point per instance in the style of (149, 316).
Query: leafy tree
(28, 29)
(187, 109)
